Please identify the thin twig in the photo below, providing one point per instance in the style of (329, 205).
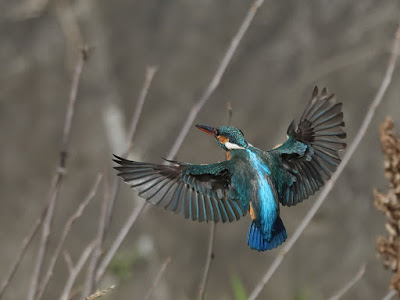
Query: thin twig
(210, 249)
(57, 179)
(216, 79)
(108, 205)
(150, 72)
(64, 235)
(76, 269)
(25, 243)
(119, 239)
(390, 295)
(210, 257)
(91, 271)
(350, 284)
(68, 261)
(100, 293)
(158, 278)
(328, 187)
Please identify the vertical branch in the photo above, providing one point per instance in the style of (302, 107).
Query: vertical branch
(150, 72)
(216, 79)
(57, 179)
(74, 271)
(64, 235)
(210, 257)
(25, 243)
(158, 278)
(330, 184)
(119, 239)
(210, 249)
(108, 204)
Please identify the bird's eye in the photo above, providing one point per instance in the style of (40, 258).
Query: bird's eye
(216, 131)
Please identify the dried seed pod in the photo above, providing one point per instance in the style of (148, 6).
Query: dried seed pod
(388, 248)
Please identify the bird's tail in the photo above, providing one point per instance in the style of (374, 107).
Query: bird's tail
(255, 238)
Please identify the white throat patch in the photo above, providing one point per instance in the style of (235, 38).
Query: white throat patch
(231, 146)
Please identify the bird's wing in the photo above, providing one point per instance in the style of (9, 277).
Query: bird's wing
(199, 192)
(310, 155)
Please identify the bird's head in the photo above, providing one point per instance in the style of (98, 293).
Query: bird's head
(227, 137)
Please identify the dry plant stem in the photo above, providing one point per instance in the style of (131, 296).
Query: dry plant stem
(158, 278)
(350, 284)
(150, 72)
(119, 239)
(100, 293)
(108, 205)
(64, 235)
(91, 271)
(216, 79)
(57, 180)
(25, 243)
(210, 249)
(210, 257)
(328, 187)
(75, 270)
(390, 295)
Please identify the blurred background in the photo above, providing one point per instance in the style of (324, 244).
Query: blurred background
(290, 47)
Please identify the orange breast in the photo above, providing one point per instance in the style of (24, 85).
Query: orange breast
(252, 214)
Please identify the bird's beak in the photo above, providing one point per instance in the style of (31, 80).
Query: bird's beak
(207, 129)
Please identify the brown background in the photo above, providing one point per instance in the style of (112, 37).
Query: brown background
(290, 47)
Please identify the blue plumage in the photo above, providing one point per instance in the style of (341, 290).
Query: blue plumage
(251, 179)
(256, 241)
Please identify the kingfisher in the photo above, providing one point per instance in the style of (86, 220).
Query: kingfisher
(250, 180)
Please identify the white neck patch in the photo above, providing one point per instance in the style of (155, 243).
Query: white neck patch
(231, 146)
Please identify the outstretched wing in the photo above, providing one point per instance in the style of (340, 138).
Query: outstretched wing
(310, 155)
(199, 192)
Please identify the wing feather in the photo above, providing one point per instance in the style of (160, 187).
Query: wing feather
(310, 155)
(198, 192)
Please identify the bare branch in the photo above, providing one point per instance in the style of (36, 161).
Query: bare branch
(150, 72)
(350, 284)
(100, 293)
(210, 257)
(76, 269)
(328, 187)
(216, 79)
(64, 235)
(119, 239)
(68, 261)
(390, 295)
(25, 243)
(108, 204)
(90, 275)
(57, 179)
(158, 278)
(210, 249)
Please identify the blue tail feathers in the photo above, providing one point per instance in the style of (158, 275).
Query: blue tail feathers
(255, 238)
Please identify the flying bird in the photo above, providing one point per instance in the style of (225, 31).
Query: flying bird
(250, 179)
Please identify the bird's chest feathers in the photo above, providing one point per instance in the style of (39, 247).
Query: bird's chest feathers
(263, 201)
